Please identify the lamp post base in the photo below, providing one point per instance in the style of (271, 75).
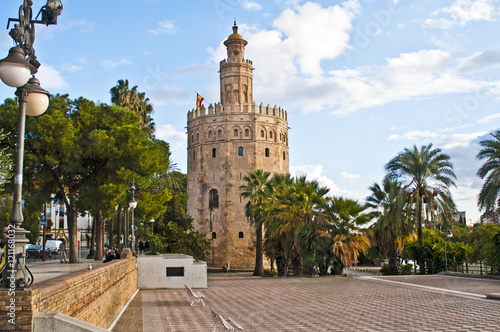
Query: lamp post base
(16, 274)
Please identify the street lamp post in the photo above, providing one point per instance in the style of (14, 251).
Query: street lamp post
(152, 221)
(15, 71)
(133, 204)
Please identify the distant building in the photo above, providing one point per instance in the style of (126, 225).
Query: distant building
(460, 218)
(57, 222)
(225, 142)
(489, 217)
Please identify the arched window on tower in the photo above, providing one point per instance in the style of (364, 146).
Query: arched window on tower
(247, 133)
(214, 152)
(210, 134)
(267, 152)
(213, 199)
(214, 235)
(219, 134)
(240, 235)
(197, 137)
(236, 133)
(240, 151)
(284, 155)
(271, 135)
(262, 134)
(194, 155)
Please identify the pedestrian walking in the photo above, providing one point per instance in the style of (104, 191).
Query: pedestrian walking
(62, 251)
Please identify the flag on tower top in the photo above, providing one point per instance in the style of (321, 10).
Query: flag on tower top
(199, 100)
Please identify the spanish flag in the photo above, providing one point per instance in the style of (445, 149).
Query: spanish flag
(199, 100)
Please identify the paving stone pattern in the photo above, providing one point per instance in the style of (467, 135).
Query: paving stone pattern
(476, 285)
(328, 304)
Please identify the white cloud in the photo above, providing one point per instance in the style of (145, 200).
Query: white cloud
(462, 12)
(314, 33)
(443, 141)
(461, 140)
(174, 95)
(350, 176)
(80, 26)
(315, 172)
(6, 41)
(176, 139)
(296, 46)
(489, 118)
(164, 27)
(413, 135)
(409, 76)
(111, 64)
(50, 78)
(479, 61)
(71, 68)
(251, 5)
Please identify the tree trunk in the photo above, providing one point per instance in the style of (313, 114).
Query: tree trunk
(119, 230)
(99, 245)
(72, 229)
(125, 230)
(337, 269)
(112, 232)
(281, 266)
(394, 261)
(259, 259)
(92, 241)
(420, 234)
(297, 265)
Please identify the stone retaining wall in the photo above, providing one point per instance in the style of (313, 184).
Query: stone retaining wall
(95, 296)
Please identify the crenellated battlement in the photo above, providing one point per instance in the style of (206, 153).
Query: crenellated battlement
(219, 109)
(249, 62)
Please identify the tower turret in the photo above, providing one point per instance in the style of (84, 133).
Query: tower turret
(236, 77)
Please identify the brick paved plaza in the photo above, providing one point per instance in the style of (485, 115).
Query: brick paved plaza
(359, 303)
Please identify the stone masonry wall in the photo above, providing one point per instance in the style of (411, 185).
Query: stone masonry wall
(94, 296)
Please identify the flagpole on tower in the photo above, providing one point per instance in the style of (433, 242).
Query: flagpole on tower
(199, 100)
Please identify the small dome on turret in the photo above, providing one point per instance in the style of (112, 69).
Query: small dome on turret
(235, 34)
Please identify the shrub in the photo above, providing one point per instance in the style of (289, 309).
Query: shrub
(406, 269)
(385, 270)
(269, 273)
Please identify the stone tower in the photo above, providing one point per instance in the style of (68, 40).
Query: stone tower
(225, 142)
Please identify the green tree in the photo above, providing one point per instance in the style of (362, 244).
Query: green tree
(349, 240)
(301, 203)
(277, 245)
(5, 161)
(485, 245)
(434, 254)
(135, 101)
(256, 191)
(173, 229)
(489, 196)
(393, 226)
(426, 174)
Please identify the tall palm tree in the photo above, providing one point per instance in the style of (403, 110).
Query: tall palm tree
(426, 174)
(130, 98)
(304, 201)
(348, 235)
(277, 244)
(257, 192)
(489, 196)
(393, 224)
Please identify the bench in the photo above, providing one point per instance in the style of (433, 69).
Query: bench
(223, 323)
(194, 296)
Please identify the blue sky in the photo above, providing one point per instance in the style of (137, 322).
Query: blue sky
(361, 80)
